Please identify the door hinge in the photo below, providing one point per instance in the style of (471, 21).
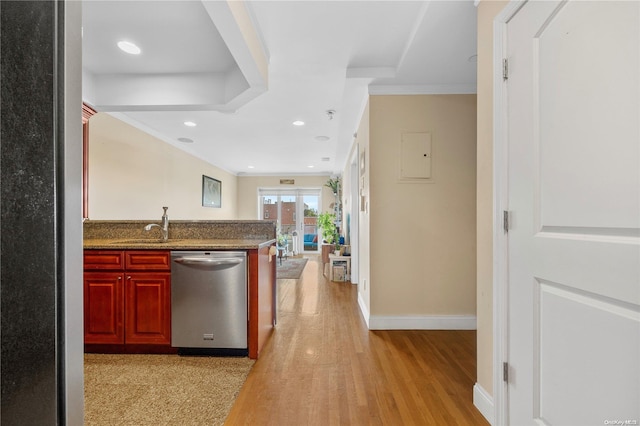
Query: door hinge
(505, 372)
(505, 220)
(505, 69)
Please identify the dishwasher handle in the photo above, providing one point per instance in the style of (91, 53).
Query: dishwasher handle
(208, 262)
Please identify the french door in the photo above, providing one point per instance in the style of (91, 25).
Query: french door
(296, 212)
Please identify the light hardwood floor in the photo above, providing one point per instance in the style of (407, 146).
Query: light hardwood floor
(323, 367)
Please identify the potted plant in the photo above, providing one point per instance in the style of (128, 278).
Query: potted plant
(338, 252)
(334, 184)
(327, 221)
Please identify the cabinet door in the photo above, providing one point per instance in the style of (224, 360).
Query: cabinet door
(148, 308)
(103, 307)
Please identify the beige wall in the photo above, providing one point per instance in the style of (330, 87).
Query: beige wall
(423, 235)
(133, 174)
(248, 191)
(487, 10)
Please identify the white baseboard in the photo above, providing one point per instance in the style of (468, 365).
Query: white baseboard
(483, 402)
(426, 322)
(363, 309)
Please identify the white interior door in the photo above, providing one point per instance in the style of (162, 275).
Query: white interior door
(574, 200)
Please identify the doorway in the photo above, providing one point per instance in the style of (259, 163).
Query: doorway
(296, 214)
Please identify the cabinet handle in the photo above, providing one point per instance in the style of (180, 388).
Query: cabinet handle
(129, 277)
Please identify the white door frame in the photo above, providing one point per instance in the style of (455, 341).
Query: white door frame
(500, 204)
(354, 209)
(298, 192)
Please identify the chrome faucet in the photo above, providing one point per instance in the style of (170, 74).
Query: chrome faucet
(165, 225)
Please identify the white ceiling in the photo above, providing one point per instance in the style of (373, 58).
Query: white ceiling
(244, 71)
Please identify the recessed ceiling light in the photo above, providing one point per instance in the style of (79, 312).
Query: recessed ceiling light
(311, 166)
(131, 48)
(190, 124)
(251, 167)
(185, 140)
(298, 123)
(325, 159)
(322, 138)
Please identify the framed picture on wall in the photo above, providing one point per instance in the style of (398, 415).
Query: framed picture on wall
(211, 192)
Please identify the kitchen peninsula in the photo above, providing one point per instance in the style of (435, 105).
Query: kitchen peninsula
(117, 253)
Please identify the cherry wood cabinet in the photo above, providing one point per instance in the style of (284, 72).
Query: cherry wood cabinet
(103, 307)
(262, 299)
(127, 301)
(148, 308)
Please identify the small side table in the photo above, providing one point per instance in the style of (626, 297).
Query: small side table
(282, 252)
(339, 268)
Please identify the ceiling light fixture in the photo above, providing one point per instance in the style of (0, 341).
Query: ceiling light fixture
(298, 123)
(185, 140)
(311, 166)
(190, 124)
(130, 48)
(251, 167)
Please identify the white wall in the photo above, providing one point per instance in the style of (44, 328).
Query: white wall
(132, 175)
(422, 261)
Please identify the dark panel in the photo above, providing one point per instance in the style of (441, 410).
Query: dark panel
(28, 252)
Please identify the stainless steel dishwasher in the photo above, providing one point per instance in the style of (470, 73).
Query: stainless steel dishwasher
(209, 302)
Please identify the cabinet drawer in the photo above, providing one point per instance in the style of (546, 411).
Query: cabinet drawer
(112, 260)
(147, 260)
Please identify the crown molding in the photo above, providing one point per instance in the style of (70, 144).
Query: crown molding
(441, 89)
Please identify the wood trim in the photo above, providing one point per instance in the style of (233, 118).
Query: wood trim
(129, 349)
(261, 301)
(85, 169)
(252, 329)
(87, 112)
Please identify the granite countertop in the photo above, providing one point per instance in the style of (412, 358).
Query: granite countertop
(175, 244)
